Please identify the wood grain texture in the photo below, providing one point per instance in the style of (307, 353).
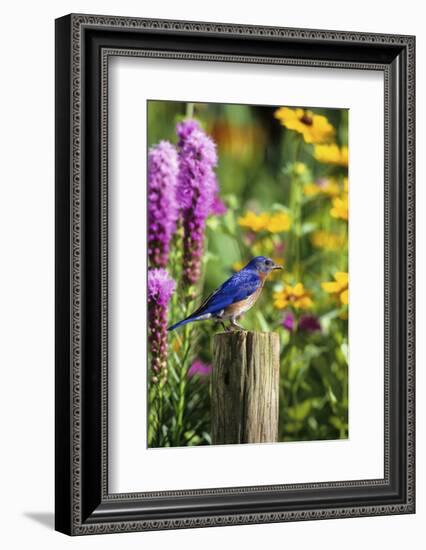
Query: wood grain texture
(245, 387)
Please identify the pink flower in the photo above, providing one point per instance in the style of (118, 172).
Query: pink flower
(199, 368)
(288, 322)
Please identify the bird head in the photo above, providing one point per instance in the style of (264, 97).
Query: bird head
(264, 265)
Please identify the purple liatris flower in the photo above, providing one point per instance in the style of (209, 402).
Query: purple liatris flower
(160, 289)
(309, 323)
(196, 191)
(162, 203)
(288, 322)
(199, 368)
(218, 207)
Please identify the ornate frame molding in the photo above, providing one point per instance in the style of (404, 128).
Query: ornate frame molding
(73, 504)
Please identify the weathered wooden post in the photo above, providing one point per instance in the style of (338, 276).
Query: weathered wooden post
(245, 387)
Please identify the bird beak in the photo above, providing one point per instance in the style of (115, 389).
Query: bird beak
(276, 266)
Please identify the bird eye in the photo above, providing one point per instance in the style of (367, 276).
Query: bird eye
(268, 262)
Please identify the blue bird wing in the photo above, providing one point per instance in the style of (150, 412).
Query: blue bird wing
(238, 287)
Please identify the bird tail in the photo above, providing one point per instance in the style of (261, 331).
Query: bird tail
(181, 323)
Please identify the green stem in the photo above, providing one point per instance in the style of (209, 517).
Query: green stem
(156, 416)
(296, 210)
(181, 402)
(189, 110)
(344, 257)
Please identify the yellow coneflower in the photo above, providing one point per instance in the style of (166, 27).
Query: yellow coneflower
(332, 154)
(314, 128)
(295, 296)
(339, 287)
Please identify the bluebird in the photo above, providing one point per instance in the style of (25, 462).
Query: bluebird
(235, 296)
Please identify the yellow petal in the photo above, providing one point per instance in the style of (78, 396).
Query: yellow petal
(253, 221)
(344, 297)
(303, 303)
(330, 287)
(331, 154)
(281, 302)
(298, 290)
(332, 189)
(278, 222)
(342, 277)
(311, 189)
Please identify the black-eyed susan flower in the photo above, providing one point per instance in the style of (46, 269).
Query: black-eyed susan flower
(314, 128)
(278, 222)
(327, 240)
(274, 223)
(339, 287)
(254, 222)
(295, 296)
(332, 154)
(340, 207)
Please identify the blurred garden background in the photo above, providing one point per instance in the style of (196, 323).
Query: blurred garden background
(227, 183)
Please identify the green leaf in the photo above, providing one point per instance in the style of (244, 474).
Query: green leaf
(308, 227)
(300, 411)
(231, 201)
(262, 321)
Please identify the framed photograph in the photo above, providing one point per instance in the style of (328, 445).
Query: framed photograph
(217, 186)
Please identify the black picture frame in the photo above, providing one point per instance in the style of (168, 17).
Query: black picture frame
(83, 46)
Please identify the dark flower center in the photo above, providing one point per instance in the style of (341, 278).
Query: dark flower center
(306, 119)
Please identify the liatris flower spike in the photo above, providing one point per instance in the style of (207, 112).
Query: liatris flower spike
(197, 187)
(162, 203)
(160, 289)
